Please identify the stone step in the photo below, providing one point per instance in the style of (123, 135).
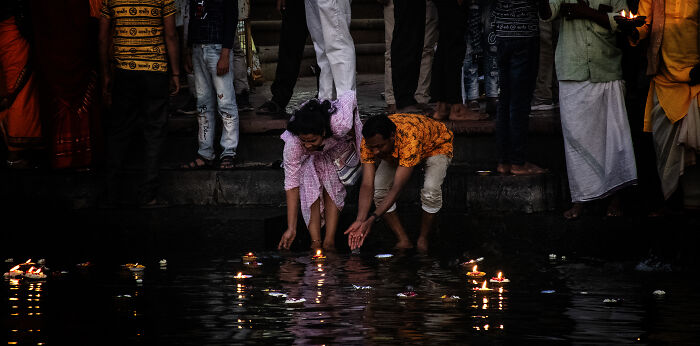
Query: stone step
(474, 144)
(463, 190)
(369, 59)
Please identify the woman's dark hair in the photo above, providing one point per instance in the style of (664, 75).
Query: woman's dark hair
(378, 124)
(314, 118)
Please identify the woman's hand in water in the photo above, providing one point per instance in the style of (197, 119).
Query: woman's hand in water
(287, 239)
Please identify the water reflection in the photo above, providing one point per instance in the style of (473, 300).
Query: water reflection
(203, 303)
(25, 321)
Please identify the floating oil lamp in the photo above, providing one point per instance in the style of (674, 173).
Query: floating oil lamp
(13, 273)
(475, 273)
(361, 287)
(241, 276)
(34, 273)
(252, 264)
(408, 294)
(483, 288)
(384, 255)
(318, 256)
(450, 299)
(84, 264)
(135, 267)
(249, 257)
(295, 301)
(499, 279)
(277, 294)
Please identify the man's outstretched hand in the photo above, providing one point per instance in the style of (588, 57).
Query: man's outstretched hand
(357, 232)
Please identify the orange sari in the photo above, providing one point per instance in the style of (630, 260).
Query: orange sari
(19, 113)
(66, 64)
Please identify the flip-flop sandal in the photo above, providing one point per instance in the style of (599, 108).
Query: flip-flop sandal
(195, 165)
(226, 162)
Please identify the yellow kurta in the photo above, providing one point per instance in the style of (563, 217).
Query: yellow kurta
(679, 53)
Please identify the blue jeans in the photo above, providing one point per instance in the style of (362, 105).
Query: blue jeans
(518, 59)
(214, 93)
(488, 60)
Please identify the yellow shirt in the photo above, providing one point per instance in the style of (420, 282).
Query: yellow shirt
(139, 43)
(417, 138)
(679, 53)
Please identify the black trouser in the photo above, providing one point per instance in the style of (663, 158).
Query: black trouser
(518, 61)
(291, 50)
(139, 104)
(407, 49)
(449, 57)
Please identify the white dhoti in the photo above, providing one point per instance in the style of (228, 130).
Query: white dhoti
(677, 146)
(597, 141)
(329, 26)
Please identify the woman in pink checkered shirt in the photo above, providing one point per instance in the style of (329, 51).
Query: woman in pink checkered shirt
(318, 134)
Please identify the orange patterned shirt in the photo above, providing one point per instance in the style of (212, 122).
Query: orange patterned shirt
(417, 138)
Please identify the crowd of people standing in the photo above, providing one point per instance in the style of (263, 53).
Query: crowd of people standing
(533, 55)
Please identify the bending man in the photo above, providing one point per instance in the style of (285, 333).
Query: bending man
(392, 147)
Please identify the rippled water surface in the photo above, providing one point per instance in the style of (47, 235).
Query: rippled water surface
(199, 302)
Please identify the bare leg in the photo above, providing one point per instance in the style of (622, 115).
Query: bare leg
(574, 212)
(331, 221)
(315, 225)
(392, 220)
(426, 225)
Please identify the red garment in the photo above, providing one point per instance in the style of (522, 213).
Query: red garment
(66, 62)
(19, 123)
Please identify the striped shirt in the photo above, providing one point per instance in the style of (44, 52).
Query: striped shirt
(516, 18)
(139, 43)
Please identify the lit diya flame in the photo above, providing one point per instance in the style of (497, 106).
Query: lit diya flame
(475, 273)
(318, 256)
(499, 279)
(34, 273)
(628, 15)
(242, 276)
(483, 288)
(249, 257)
(450, 299)
(14, 272)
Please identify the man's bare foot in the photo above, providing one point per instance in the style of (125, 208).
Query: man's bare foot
(403, 244)
(459, 112)
(329, 246)
(422, 244)
(575, 212)
(442, 111)
(527, 169)
(503, 168)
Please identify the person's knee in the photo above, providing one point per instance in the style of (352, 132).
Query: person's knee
(431, 199)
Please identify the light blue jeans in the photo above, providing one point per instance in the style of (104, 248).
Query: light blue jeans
(470, 70)
(214, 94)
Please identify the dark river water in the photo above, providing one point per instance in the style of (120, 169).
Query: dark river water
(199, 302)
